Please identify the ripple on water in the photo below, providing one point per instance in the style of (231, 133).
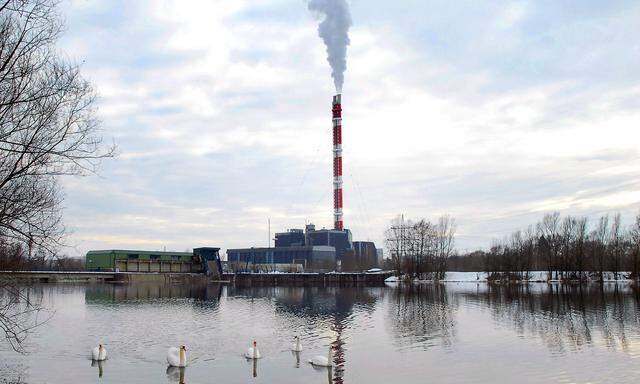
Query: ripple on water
(459, 333)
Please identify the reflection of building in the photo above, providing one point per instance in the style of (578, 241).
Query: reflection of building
(204, 259)
(296, 250)
(134, 293)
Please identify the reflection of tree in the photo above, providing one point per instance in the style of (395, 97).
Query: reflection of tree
(420, 314)
(563, 316)
(20, 309)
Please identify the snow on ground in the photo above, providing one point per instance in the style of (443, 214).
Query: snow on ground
(534, 276)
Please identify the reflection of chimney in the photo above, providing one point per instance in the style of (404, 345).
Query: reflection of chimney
(338, 355)
(337, 161)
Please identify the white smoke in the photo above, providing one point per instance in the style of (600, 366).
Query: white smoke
(334, 31)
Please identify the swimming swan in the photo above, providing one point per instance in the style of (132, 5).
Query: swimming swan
(323, 361)
(177, 357)
(297, 346)
(99, 353)
(253, 352)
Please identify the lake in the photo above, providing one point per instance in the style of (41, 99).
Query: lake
(447, 333)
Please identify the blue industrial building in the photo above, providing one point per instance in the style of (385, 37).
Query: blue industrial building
(293, 237)
(289, 259)
(319, 250)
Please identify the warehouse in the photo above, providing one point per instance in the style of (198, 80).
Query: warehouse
(201, 260)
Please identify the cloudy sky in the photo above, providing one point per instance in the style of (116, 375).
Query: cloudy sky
(494, 112)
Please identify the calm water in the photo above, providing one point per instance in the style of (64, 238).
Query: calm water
(454, 333)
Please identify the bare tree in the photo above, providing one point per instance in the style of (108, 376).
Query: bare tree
(423, 239)
(421, 249)
(549, 230)
(634, 240)
(395, 241)
(567, 242)
(47, 129)
(565, 247)
(445, 241)
(616, 245)
(47, 123)
(600, 239)
(580, 247)
(528, 251)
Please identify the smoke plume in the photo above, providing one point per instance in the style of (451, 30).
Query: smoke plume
(334, 31)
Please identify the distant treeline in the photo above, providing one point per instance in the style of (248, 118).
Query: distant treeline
(567, 248)
(16, 257)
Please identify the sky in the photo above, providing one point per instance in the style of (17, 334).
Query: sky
(492, 112)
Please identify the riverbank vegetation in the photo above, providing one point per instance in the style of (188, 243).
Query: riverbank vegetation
(421, 248)
(567, 248)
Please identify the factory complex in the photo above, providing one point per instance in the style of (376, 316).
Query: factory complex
(308, 250)
(295, 251)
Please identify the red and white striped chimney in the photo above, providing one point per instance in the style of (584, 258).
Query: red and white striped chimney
(337, 162)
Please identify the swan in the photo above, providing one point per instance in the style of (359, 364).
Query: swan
(297, 346)
(177, 357)
(323, 361)
(253, 352)
(99, 353)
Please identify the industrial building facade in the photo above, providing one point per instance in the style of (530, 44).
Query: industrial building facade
(201, 260)
(309, 250)
(285, 259)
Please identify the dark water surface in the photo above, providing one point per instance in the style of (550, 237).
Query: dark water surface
(452, 333)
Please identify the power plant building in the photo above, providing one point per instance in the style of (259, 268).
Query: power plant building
(311, 250)
(284, 259)
(290, 238)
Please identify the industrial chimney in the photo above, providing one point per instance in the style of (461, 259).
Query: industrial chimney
(337, 162)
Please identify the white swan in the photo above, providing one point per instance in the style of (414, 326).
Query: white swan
(297, 346)
(99, 353)
(177, 357)
(253, 352)
(323, 361)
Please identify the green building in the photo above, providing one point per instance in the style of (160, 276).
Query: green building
(119, 260)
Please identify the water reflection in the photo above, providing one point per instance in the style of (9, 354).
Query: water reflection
(255, 367)
(565, 317)
(98, 364)
(176, 374)
(296, 354)
(423, 315)
(333, 306)
(136, 293)
(537, 331)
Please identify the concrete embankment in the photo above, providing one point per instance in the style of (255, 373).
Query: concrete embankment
(102, 277)
(294, 279)
(283, 279)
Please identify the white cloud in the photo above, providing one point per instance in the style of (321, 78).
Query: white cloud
(222, 119)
